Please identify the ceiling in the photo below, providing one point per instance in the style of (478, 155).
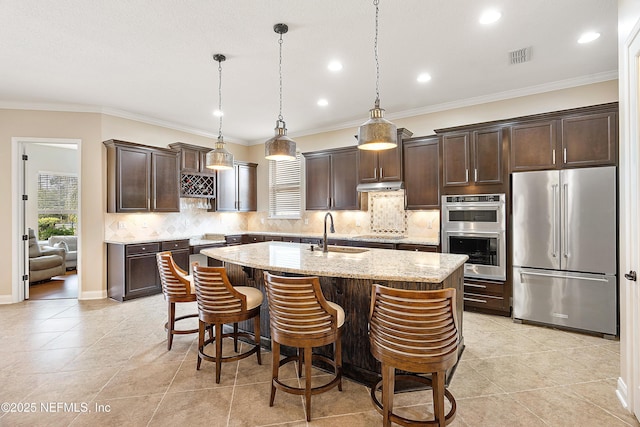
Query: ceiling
(151, 60)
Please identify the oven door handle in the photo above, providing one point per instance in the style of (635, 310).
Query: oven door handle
(459, 233)
(459, 206)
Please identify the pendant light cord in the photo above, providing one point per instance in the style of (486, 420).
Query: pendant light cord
(375, 50)
(220, 100)
(280, 73)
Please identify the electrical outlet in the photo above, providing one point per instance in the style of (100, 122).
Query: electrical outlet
(357, 223)
(306, 221)
(261, 220)
(144, 224)
(122, 225)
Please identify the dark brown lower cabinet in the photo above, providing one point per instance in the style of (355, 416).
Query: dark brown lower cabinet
(487, 296)
(132, 271)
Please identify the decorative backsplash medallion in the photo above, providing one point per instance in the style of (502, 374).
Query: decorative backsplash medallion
(387, 214)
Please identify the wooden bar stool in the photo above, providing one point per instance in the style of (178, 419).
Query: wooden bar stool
(177, 288)
(301, 317)
(417, 332)
(220, 303)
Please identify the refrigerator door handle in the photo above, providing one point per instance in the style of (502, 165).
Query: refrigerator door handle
(554, 222)
(558, 276)
(565, 225)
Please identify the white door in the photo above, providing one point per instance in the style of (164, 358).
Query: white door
(630, 227)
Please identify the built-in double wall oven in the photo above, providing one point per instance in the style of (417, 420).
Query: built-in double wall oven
(475, 225)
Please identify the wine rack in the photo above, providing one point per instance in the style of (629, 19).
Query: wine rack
(197, 186)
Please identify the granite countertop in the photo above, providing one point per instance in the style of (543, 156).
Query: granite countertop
(377, 264)
(212, 239)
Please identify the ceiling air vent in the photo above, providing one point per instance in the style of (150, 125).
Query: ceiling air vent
(519, 56)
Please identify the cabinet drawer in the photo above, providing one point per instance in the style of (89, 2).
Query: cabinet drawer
(272, 238)
(175, 244)
(484, 288)
(143, 248)
(416, 248)
(290, 239)
(487, 301)
(312, 240)
(252, 238)
(234, 240)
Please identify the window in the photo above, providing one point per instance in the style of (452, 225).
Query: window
(57, 204)
(285, 198)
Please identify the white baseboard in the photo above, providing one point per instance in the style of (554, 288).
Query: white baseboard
(621, 392)
(7, 299)
(85, 295)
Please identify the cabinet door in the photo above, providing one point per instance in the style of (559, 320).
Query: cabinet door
(132, 180)
(422, 173)
(487, 156)
(165, 182)
(190, 160)
(455, 159)
(246, 176)
(226, 194)
(367, 166)
(142, 276)
(590, 140)
(533, 146)
(390, 164)
(344, 180)
(317, 179)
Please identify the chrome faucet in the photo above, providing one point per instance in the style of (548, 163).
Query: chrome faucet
(324, 236)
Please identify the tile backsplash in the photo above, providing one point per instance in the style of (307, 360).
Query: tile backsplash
(386, 215)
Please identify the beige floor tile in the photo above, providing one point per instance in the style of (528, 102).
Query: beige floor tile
(467, 382)
(599, 393)
(137, 381)
(202, 408)
(496, 411)
(511, 374)
(560, 407)
(287, 408)
(130, 411)
(360, 419)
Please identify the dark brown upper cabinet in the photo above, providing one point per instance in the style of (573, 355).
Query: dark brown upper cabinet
(383, 165)
(567, 139)
(590, 140)
(422, 172)
(331, 177)
(192, 158)
(141, 178)
(533, 145)
(236, 189)
(473, 157)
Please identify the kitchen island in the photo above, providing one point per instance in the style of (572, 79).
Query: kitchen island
(346, 275)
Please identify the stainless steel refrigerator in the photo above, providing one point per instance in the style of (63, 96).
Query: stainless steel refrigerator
(565, 248)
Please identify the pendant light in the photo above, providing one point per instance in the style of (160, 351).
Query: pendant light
(377, 133)
(219, 158)
(280, 147)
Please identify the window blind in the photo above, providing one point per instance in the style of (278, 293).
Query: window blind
(57, 193)
(285, 189)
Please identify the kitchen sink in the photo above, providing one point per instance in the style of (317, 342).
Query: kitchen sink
(340, 249)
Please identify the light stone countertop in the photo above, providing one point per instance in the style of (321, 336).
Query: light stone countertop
(377, 264)
(199, 240)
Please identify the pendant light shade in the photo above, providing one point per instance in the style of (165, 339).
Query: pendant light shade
(280, 147)
(377, 133)
(219, 158)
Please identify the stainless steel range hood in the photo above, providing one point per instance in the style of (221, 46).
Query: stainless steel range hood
(380, 186)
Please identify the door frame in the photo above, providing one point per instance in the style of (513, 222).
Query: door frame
(628, 390)
(19, 253)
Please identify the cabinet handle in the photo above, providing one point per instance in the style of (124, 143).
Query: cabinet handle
(475, 174)
(466, 175)
(381, 174)
(553, 156)
(375, 173)
(328, 202)
(564, 155)
(473, 285)
(474, 300)
(144, 249)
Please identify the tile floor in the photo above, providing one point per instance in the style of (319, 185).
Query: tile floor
(108, 363)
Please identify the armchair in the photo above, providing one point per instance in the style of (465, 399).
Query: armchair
(70, 245)
(44, 263)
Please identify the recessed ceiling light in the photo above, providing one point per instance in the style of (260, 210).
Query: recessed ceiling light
(423, 78)
(218, 113)
(588, 37)
(489, 16)
(323, 102)
(335, 66)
